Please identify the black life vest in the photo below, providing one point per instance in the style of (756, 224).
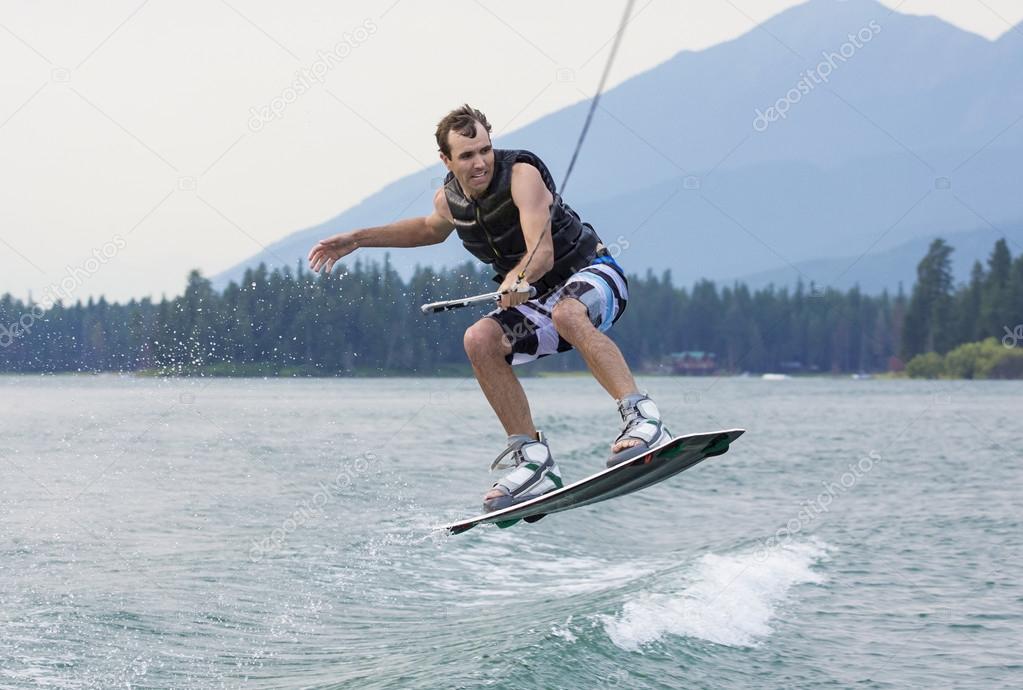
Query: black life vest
(489, 226)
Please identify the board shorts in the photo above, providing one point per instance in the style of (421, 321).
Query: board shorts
(529, 327)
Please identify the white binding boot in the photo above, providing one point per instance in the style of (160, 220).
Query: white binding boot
(641, 420)
(533, 474)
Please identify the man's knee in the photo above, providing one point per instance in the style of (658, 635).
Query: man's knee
(484, 339)
(571, 318)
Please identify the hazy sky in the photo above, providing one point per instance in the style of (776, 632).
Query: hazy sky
(136, 145)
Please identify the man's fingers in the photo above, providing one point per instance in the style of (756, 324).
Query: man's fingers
(319, 257)
(511, 299)
(318, 248)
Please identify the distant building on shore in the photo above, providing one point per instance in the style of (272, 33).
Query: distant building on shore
(693, 363)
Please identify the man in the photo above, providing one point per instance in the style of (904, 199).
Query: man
(506, 210)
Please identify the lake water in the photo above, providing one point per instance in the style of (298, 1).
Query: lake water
(209, 533)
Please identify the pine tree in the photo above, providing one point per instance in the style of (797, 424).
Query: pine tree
(995, 303)
(1015, 300)
(928, 325)
(967, 307)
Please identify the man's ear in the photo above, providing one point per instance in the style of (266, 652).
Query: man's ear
(445, 160)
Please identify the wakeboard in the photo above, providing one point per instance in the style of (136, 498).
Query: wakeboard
(656, 465)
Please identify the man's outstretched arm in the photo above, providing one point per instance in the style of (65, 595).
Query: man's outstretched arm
(409, 232)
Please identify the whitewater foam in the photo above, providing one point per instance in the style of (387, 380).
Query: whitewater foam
(728, 599)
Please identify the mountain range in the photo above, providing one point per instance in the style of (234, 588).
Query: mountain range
(829, 143)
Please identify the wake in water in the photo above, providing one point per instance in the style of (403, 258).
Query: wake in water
(728, 600)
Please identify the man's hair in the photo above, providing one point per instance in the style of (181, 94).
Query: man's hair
(462, 120)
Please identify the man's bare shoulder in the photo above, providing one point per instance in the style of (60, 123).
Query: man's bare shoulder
(527, 186)
(524, 170)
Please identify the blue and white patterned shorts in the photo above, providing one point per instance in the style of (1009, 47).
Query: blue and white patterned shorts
(601, 287)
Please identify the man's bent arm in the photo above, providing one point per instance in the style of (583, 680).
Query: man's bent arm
(533, 200)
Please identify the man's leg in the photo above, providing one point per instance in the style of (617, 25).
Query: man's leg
(487, 348)
(600, 353)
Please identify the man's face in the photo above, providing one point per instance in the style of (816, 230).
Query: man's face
(472, 160)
